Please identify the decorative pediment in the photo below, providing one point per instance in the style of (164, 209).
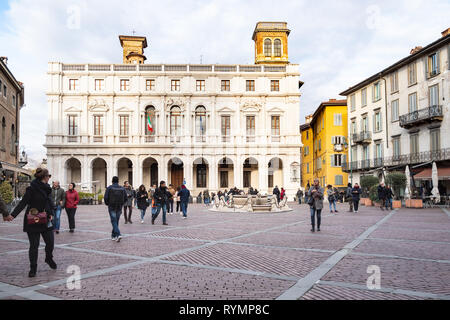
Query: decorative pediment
(275, 110)
(123, 109)
(170, 102)
(98, 106)
(225, 110)
(72, 109)
(251, 105)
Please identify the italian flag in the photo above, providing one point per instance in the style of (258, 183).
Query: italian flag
(149, 124)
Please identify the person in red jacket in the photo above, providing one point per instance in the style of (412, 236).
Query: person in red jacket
(72, 200)
(283, 193)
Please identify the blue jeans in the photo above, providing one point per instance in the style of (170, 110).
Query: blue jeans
(315, 212)
(333, 203)
(388, 203)
(184, 208)
(143, 213)
(114, 215)
(299, 200)
(57, 218)
(160, 206)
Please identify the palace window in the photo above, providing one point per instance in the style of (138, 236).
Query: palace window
(414, 143)
(338, 180)
(225, 85)
(98, 125)
(250, 127)
(73, 84)
(433, 65)
(149, 84)
(99, 84)
(3, 133)
(175, 121)
(200, 84)
(433, 95)
(268, 47)
(73, 126)
(124, 125)
(277, 48)
(225, 127)
(337, 160)
(201, 175)
(175, 85)
(394, 82)
(275, 125)
(274, 85)
(150, 115)
(13, 140)
(200, 121)
(250, 85)
(124, 85)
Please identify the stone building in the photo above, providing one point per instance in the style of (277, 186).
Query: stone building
(211, 126)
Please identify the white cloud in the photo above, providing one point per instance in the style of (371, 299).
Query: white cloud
(336, 43)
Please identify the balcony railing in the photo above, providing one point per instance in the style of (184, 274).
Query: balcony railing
(364, 137)
(427, 115)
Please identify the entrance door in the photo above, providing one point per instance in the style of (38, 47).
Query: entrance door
(177, 175)
(154, 174)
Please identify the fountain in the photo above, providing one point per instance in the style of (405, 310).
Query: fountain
(250, 203)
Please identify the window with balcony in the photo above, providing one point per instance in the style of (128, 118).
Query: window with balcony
(378, 154)
(150, 85)
(337, 119)
(175, 121)
(378, 124)
(267, 47)
(396, 150)
(124, 85)
(364, 97)
(376, 91)
(225, 85)
(414, 144)
(433, 95)
(250, 85)
(175, 85)
(73, 84)
(365, 124)
(433, 65)
(353, 126)
(200, 85)
(225, 128)
(99, 84)
(124, 125)
(395, 110)
(98, 125)
(150, 123)
(250, 128)
(200, 123)
(394, 82)
(275, 126)
(277, 48)
(274, 85)
(412, 74)
(412, 102)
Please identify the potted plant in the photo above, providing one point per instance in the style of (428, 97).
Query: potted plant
(397, 181)
(7, 193)
(367, 182)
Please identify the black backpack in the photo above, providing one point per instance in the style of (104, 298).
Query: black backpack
(116, 197)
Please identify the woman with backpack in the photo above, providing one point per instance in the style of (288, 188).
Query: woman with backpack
(331, 198)
(142, 201)
(315, 195)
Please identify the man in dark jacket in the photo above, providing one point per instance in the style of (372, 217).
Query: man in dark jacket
(115, 198)
(382, 195)
(276, 192)
(389, 196)
(59, 200)
(349, 197)
(299, 196)
(184, 200)
(356, 196)
(162, 196)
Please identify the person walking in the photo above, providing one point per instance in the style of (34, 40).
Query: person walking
(206, 198)
(142, 201)
(171, 200)
(115, 198)
(315, 195)
(276, 192)
(72, 200)
(131, 195)
(38, 218)
(184, 200)
(161, 196)
(349, 197)
(389, 196)
(356, 196)
(59, 200)
(282, 193)
(382, 195)
(331, 198)
(299, 196)
(177, 197)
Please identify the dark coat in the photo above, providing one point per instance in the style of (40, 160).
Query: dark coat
(57, 196)
(381, 192)
(389, 193)
(317, 196)
(141, 199)
(162, 195)
(184, 195)
(356, 194)
(106, 196)
(37, 195)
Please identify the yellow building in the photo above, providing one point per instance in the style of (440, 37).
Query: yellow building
(306, 153)
(326, 139)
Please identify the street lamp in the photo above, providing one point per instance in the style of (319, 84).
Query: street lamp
(347, 146)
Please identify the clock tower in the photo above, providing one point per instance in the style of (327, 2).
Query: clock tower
(271, 43)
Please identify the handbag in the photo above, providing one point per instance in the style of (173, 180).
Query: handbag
(35, 217)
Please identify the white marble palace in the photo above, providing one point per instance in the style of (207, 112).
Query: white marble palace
(212, 126)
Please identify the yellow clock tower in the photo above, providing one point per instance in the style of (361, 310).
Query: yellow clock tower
(271, 43)
(133, 49)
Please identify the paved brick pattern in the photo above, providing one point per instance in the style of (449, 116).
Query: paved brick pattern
(236, 256)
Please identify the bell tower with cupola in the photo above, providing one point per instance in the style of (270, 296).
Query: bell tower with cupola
(133, 49)
(271, 43)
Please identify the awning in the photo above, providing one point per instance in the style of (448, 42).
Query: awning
(11, 167)
(443, 174)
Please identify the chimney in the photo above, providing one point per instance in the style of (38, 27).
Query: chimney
(445, 32)
(4, 59)
(416, 49)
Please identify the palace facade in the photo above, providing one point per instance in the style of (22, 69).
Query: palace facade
(211, 126)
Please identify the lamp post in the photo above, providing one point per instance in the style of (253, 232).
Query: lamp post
(347, 146)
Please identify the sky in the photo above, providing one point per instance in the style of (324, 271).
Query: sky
(336, 43)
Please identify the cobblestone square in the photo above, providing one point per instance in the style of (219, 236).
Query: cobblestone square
(214, 255)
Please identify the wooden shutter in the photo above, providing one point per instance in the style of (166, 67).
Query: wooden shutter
(438, 58)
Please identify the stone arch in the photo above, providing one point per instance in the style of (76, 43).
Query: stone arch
(250, 173)
(275, 173)
(175, 172)
(99, 174)
(225, 172)
(72, 169)
(150, 174)
(125, 170)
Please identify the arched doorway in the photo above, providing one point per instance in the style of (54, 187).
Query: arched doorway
(201, 173)
(73, 171)
(250, 177)
(275, 173)
(99, 174)
(226, 173)
(125, 171)
(176, 172)
(150, 172)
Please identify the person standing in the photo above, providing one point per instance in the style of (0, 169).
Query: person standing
(331, 198)
(356, 196)
(206, 198)
(161, 196)
(299, 196)
(276, 192)
(171, 200)
(115, 198)
(282, 193)
(131, 195)
(59, 200)
(184, 200)
(389, 195)
(72, 200)
(38, 218)
(142, 201)
(177, 197)
(315, 195)
(348, 197)
(382, 195)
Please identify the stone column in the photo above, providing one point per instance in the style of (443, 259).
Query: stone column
(238, 173)
(263, 171)
(213, 173)
(188, 174)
